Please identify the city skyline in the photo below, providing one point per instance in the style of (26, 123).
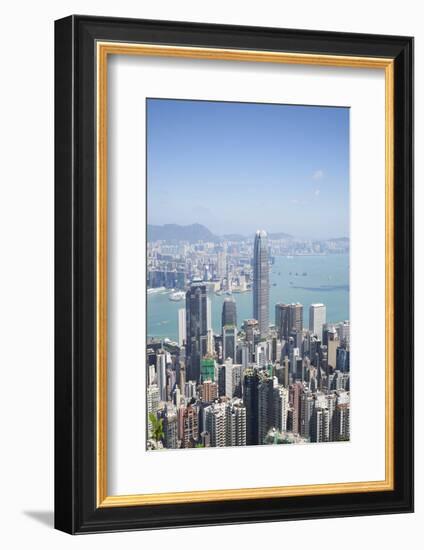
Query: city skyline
(260, 382)
(211, 153)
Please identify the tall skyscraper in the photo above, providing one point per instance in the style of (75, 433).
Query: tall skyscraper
(229, 312)
(196, 329)
(265, 406)
(288, 319)
(229, 338)
(296, 318)
(317, 318)
(229, 329)
(261, 282)
(281, 320)
(250, 398)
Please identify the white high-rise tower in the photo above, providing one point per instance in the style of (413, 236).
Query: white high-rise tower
(317, 318)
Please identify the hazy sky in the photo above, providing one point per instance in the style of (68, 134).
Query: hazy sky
(237, 167)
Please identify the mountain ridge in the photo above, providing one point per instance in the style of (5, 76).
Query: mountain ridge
(196, 232)
(173, 232)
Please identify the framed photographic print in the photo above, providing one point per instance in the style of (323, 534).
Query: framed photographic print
(234, 287)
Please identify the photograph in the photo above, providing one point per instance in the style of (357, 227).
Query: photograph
(247, 267)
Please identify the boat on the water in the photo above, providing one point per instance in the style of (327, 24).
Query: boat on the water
(177, 296)
(155, 290)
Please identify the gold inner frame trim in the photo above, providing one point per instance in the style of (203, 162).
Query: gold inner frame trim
(103, 50)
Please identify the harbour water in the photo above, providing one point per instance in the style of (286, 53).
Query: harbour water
(304, 279)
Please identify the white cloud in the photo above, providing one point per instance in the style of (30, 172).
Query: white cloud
(317, 192)
(318, 175)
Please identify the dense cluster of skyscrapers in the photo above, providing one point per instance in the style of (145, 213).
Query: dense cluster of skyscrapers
(254, 383)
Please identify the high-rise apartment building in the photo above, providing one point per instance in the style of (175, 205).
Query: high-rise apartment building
(209, 391)
(190, 388)
(320, 425)
(341, 422)
(189, 426)
(216, 424)
(236, 423)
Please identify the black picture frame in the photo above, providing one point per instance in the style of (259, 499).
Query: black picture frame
(76, 510)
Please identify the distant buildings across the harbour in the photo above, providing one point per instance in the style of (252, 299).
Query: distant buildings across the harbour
(225, 264)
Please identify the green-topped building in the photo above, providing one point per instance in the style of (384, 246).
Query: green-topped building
(207, 369)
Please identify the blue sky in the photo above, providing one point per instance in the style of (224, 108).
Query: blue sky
(237, 167)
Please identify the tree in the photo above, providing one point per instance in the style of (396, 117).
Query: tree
(157, 427)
